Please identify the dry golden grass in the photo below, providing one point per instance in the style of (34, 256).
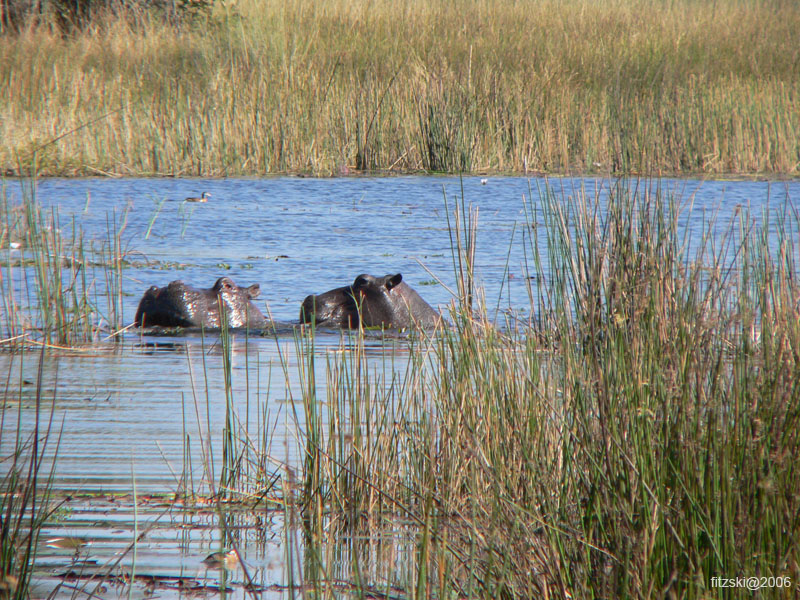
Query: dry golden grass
(324, 87)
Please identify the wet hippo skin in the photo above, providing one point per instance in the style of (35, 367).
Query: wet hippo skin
(180, 305)
(370, 302)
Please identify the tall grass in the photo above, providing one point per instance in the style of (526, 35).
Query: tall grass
(635, 438)
(324, 87)
(648, 447)
(25, 487)
(50, 287)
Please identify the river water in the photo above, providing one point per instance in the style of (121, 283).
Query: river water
(134, 416)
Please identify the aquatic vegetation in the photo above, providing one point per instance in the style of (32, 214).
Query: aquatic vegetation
(300, 86)
(633, 439)
(645, 447)
(25, 486)
(631, 435)
(49, 279)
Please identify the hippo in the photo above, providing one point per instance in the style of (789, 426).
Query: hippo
(180, 305)
(370, 302)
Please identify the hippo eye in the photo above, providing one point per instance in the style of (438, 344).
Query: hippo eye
(223, 283)
(360, 281)
(153, 289)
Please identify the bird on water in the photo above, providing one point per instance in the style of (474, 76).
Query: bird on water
(203, 198)
(222, 560)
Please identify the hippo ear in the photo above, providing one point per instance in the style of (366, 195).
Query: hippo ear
(393, 280)
(254, 290)
(223, 283)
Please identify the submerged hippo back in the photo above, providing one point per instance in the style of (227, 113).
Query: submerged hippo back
(169, 306)
(180, 305)
(370, 302)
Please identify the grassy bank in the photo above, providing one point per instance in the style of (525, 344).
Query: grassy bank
(327, 87)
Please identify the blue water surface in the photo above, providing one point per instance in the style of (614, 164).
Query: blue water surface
(148, 414)
(295, 236)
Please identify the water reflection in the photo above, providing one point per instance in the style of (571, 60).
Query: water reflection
(114, 546)
(149, 414)
(105, 543)
(133, 410)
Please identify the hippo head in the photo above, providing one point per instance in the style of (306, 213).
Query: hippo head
(180, 305)
(369, 302)
(237, 301)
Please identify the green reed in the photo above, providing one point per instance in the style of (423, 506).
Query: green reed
(640, 446)
(634, 437)
(246, 473)
(52, 280)
(553, 86)
(25, 487)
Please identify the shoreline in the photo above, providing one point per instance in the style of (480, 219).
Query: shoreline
(354, 174)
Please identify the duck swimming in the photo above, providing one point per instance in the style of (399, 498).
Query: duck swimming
(222, 560)
(203, 198)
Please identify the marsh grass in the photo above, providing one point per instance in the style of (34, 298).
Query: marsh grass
(244, 472)
(635, 438)
(25, 488)
(52, 281)
(618, 86)
(643, 446)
